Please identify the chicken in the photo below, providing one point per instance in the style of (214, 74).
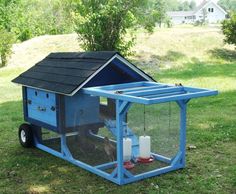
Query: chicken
(109, 149)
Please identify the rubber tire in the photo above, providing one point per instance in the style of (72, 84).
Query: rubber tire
(95, 131)
(29, 141)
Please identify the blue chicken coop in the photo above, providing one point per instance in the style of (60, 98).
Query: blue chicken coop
(100, 112)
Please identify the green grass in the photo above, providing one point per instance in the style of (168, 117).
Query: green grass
(192, 56)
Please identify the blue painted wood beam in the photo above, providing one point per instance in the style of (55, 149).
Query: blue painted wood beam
(155, 91)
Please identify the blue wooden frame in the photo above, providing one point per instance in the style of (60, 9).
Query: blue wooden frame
(149, 92)
(125, 95)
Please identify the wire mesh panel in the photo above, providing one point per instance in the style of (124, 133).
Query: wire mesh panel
(95, 143)
(160, 122)
(88, 142)
(86, 148)
(50, 139)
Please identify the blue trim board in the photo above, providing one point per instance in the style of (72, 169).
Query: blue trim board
(60, 104)
(24, 94)
(41, 124)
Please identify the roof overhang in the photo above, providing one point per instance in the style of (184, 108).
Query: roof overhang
(219, 7)
(116, 56)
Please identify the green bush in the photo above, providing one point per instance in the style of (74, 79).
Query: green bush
(229, 29)
(6, 42)
(27, 19)
(104, 24)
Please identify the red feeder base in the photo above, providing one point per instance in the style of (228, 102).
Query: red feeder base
(145, 160)
(127, 165)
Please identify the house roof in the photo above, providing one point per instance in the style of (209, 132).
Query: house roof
(205, 3)
(201, 5)
(66, 73)
(198, 8)
(180, 13)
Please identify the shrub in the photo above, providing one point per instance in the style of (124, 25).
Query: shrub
(103, 24)
(229, 29)
(6, 42)
(27, 19)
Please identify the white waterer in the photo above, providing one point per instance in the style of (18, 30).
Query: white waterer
(145, 147)
(127, 149)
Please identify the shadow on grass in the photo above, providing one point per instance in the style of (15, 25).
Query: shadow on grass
(198, 69)
(170, 56)
(225, 54)
(156, 59)
(211, 119)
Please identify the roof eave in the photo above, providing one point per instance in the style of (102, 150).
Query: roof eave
(207, 4)
(107, 63)
(116, 56)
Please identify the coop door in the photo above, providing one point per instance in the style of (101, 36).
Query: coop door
(41, 106)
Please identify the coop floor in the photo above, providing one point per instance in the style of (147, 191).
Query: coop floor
(141, 168)
(93, 153)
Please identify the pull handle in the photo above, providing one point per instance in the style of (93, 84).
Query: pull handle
(43, 109)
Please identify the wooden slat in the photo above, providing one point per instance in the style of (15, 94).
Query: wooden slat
(155, 91)
(143, 88)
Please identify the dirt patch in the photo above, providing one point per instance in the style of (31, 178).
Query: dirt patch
(31, 51)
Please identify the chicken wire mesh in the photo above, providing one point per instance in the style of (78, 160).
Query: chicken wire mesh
(50, 139)
(95, 144)
(160, 122)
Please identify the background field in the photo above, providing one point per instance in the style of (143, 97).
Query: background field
(193, 56)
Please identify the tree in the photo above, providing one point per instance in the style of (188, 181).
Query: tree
(160, 11)
(184, 6)
(6, 10)
(103, 24)
(27, 19)
(228, 5)
(229, 29)
(6, 42)
(192, 5)
(172, 5)
(204, 16)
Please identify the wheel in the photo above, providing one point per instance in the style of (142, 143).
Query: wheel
(95, 131)
(25, 135)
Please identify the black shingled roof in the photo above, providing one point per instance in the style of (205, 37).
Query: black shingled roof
(64, 72)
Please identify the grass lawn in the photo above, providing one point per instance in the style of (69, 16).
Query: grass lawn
(191, 55)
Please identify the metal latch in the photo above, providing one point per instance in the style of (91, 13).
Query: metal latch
(118, 92)
(43, 109)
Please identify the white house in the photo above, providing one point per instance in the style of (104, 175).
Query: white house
(208, 10)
